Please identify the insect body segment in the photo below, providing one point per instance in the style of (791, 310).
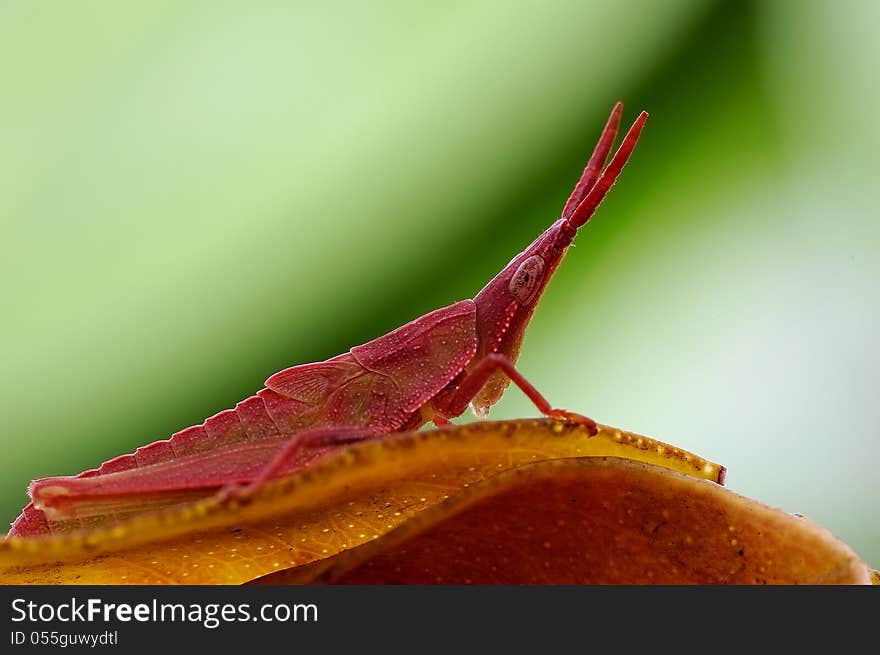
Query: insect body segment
(432, 368)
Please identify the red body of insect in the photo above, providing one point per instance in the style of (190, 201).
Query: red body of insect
(429, 369)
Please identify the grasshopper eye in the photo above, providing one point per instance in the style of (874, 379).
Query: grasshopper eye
(527, 279)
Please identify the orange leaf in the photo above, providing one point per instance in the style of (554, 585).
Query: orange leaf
(338, 504)
(595, 521)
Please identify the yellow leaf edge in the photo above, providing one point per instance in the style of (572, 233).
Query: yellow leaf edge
(361, 464)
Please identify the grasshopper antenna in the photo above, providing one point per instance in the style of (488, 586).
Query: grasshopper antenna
(587, 207)
(596, 163)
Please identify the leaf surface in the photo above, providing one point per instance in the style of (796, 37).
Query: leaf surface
(595, 520)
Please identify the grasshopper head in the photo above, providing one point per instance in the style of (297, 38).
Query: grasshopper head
(505, 305)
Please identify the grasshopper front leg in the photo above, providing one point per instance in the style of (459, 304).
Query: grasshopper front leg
(472, 383)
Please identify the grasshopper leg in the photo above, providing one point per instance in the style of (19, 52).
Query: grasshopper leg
(315, 438)
(474, 381)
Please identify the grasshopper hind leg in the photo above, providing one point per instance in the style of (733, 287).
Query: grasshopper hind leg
(314, 439)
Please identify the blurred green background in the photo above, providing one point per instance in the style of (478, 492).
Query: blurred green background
(195, 195)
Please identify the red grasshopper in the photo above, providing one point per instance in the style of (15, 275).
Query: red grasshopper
(430, 369)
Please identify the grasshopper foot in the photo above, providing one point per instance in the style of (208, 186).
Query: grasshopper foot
(578, 419)
(233, 492)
